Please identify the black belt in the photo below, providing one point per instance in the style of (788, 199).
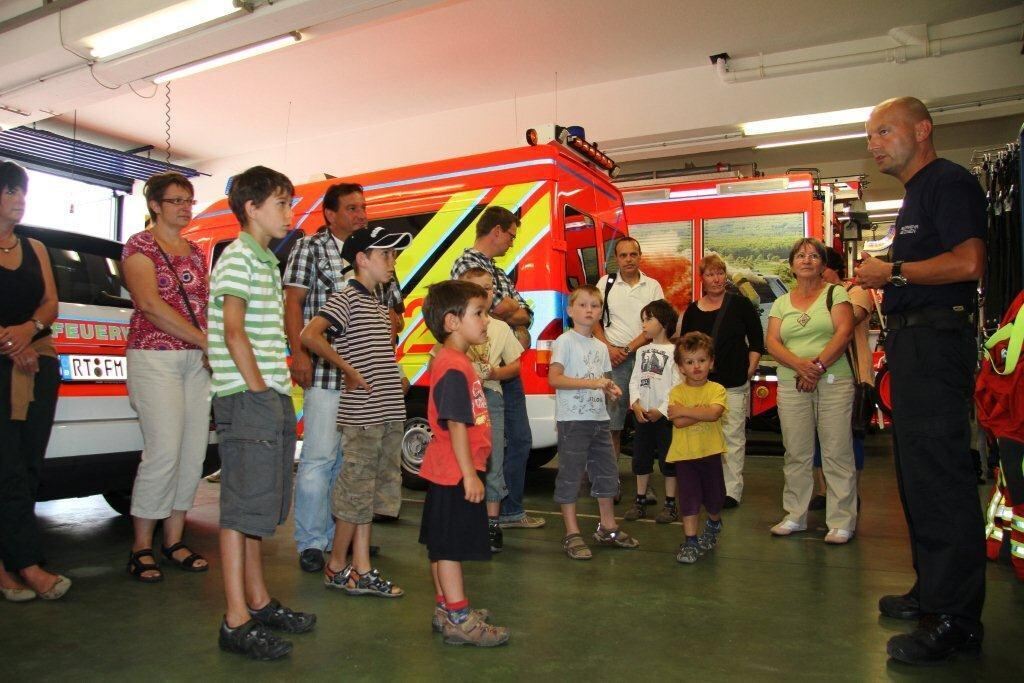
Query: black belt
(939, 318)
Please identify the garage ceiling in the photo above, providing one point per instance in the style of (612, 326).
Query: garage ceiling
(367, 66)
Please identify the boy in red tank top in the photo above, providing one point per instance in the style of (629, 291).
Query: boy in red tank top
(454, 526)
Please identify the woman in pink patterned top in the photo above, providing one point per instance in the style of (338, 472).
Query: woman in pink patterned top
(168, 383)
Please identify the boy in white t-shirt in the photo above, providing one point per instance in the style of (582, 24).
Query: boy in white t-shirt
(654, 375)
(495, 361)
(580, 375)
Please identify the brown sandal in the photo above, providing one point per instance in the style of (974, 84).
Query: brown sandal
(576, 548)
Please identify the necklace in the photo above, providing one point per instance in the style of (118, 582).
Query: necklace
(8, 250)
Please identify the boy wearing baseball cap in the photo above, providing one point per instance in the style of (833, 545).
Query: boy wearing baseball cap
(371, 410)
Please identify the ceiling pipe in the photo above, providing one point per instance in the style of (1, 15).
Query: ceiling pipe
(914, 46)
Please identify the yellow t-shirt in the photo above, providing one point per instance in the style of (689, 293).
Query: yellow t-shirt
(703, 438)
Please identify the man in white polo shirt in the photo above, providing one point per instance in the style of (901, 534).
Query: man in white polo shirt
(625, 294)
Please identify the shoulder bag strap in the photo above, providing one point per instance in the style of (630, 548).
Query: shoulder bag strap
(852, 345)
(181, 287)
(607, 314)
(721, 315)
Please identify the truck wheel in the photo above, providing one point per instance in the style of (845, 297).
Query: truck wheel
(540, 457)
(121, 501)
(414, 445)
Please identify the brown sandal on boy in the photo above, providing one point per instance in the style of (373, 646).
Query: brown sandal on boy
(576, 548)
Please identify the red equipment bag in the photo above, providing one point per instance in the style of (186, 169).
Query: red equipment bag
(999, 391)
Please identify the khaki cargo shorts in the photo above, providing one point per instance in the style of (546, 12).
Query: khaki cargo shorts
(370, 481)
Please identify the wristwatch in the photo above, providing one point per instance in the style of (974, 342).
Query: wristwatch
(625, 349)
(38, 325)
(895, 279)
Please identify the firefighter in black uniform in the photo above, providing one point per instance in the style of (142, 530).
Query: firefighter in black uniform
(930, 307)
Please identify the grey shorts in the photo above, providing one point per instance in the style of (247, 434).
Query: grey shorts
(619, 408)
(585, 446)
(370, 480)
(256, 435)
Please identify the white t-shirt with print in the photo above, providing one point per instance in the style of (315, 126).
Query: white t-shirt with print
(582, 358)
(654, 374)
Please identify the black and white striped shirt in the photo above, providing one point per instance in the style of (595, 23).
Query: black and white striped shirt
(362, 336)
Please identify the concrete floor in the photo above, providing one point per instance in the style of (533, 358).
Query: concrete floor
(759, 608)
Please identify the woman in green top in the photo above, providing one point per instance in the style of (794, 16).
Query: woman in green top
(808, 338)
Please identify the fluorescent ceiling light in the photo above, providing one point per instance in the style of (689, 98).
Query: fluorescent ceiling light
(885, 205)
(229, 57)
(166, 22)
(810, 141)
(807, 121)
(884, 215)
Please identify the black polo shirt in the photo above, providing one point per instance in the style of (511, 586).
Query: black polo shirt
(944, 206)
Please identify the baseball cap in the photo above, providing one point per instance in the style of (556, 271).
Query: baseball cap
(378, 237)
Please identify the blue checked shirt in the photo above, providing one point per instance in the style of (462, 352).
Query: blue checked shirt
(503, 287)
(315, 264)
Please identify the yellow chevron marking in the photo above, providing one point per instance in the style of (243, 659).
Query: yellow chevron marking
(533, 223)
(510, 195)
(435, 231)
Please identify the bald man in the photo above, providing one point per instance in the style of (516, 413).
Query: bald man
(930, 306)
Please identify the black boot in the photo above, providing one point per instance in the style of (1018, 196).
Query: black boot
(937, 638)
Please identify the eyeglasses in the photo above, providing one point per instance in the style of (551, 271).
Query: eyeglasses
(511, 235)
(179, 201)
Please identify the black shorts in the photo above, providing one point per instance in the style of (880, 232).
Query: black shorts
(651, 441)
(452, 528)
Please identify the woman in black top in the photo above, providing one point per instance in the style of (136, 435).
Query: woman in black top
(739, 343)
(29, 379)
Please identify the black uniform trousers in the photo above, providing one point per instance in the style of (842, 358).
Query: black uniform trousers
(22, 449)
(932, 373)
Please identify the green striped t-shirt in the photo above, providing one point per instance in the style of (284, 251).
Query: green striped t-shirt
(248, 271)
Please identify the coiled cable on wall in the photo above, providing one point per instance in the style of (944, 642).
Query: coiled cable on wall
(167, 122)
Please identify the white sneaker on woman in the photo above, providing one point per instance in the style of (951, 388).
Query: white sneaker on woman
(838, 536)
(787, 527)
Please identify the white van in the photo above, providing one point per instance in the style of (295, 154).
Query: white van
(96, 442)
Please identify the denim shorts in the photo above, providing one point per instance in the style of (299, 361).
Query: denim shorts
(256, 436)
(370, 481)
(496, 489)
(585, 446)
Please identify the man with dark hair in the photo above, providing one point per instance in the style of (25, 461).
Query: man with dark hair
(929, 306)
(625, 292)
(495, 234)
(315, 271)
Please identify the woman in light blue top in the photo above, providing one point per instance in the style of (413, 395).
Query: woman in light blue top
(808, 331)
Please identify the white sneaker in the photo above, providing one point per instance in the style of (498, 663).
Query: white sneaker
(838, 536)
(787, 527)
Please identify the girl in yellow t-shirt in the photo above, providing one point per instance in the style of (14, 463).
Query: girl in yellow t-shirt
(696, 407)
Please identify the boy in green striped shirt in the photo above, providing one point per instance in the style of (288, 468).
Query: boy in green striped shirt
(253, 411)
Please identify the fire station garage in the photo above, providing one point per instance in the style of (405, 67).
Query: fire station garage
(774, 246)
